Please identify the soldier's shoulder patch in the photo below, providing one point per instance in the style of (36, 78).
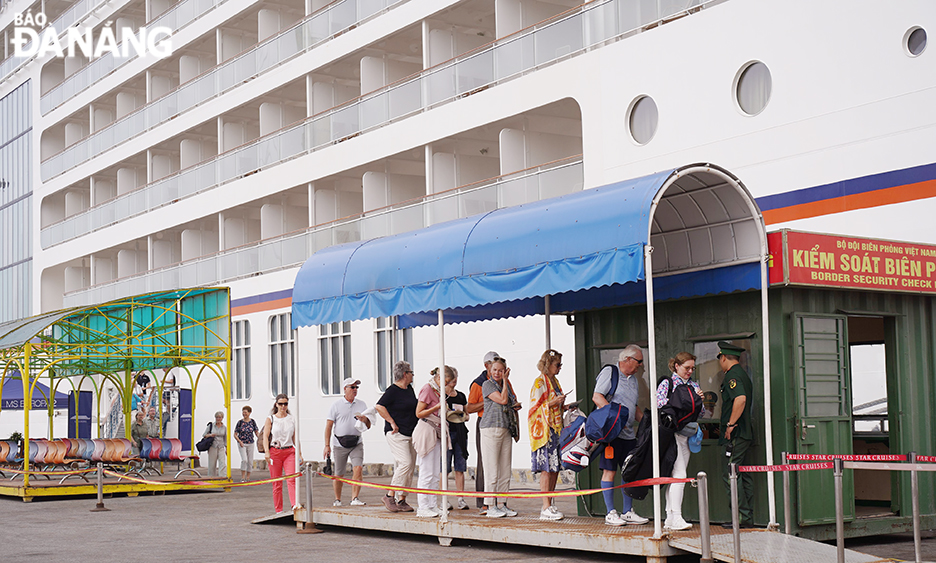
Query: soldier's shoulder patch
(733, 383)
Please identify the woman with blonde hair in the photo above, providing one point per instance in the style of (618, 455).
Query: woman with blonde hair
(547, 401)
(427, 439)
(682, 366)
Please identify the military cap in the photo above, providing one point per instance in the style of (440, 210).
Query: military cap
(710, 397)
(729, 349)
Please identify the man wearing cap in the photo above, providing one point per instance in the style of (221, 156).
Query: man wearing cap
(736, 432)
(476, 405)
(612, 458)
(346, 441)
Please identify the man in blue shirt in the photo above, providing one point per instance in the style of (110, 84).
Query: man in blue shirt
(613, 456)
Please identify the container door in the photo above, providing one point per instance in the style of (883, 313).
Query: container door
(823, 421)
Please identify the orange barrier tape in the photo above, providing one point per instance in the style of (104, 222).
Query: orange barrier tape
(69, 472)
(538, 494)
(198, 483)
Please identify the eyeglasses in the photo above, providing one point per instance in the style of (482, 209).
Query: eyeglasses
(283, 404)
(409, 371)
(352, 386)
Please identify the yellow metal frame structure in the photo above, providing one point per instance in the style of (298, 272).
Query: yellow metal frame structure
(84, 348)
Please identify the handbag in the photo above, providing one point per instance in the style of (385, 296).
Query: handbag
(349, 441)
(205, 442)
(260, 447)
(327, 470)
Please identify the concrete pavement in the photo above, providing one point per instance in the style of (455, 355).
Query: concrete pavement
(215, 526)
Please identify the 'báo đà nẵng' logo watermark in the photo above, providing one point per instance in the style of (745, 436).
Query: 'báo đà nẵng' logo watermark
(28, 42)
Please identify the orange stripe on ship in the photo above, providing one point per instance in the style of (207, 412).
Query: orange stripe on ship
(263, 306)
(876, 198)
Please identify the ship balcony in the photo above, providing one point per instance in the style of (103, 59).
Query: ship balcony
(292, 249)
(574, 32)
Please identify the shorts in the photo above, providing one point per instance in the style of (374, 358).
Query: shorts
(461, 459)
(621, 448)
(356, 454)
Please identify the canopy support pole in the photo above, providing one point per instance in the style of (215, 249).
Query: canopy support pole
(26, 376)
(650, 365)
(546, 312)
(443, 416)
(768, 427)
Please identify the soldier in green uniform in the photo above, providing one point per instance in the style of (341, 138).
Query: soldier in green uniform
(736, 432)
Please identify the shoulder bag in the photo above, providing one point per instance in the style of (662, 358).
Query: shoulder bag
(205, 442)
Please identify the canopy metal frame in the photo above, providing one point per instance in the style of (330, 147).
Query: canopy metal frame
(109, 342)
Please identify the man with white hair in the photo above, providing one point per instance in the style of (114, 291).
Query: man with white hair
(612, 458)
(476, 404)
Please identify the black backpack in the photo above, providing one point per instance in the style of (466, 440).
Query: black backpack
(682, 407)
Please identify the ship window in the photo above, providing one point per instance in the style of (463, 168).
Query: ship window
(642, 119)
(752, 89)
(915, 41)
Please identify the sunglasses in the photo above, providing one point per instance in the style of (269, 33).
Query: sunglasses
(283, 404)
(640, 362)
(353, 386)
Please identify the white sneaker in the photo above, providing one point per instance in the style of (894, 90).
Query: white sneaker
(462, 505)
(550, 514)
(632, 517)
(508, 511)
(357, 502)
(428, 513)
(495, 512)
(336, 503)
(448, 505)
(614, 519)
(677, 523)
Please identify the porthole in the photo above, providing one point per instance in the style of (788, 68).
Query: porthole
(752, 88)
(642, 118)
(915, 41)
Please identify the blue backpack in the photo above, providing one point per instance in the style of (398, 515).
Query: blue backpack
(604, 424)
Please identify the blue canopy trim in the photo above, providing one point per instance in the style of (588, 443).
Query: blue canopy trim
(501, 263)
(740, 277)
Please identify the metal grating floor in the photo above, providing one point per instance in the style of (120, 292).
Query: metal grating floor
(588, 534)
(578, 533)
(761, 546)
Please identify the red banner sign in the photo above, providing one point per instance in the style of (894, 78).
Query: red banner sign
(847, 457)
(788, 467)
(798, 258)
(926, 458)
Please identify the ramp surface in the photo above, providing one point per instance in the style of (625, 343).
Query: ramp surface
(761, 546)
(286, 514)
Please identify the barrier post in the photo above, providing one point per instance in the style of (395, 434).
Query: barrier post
(308, 526)
(915, 503)
(787, 509)
(837, 465)
(100, 490)
(735, 526)
(705, 532)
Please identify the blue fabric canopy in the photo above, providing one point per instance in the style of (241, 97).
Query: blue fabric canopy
(13, 398)
(500, 264)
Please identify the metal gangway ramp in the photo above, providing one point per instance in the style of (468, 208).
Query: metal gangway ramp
(761, 546)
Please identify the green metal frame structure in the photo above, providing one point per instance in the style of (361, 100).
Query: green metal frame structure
(74, 349)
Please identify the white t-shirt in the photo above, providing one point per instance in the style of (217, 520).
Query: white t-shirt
(281, 433)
